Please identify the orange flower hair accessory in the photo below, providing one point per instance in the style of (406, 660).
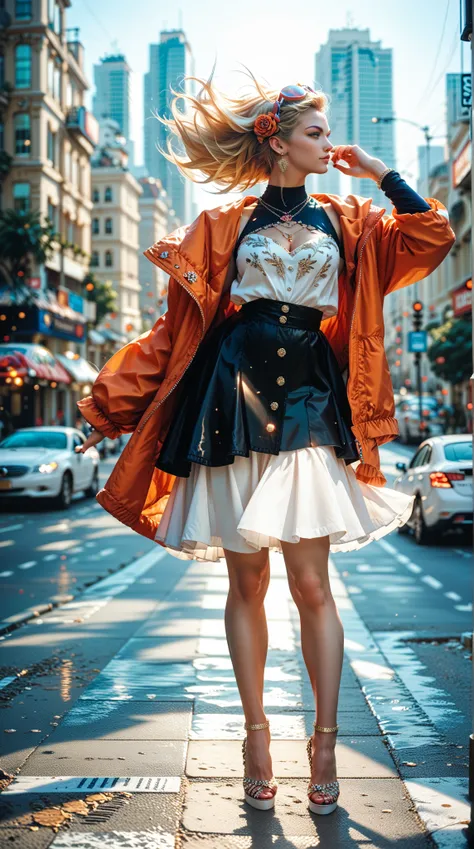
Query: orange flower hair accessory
(265, 126)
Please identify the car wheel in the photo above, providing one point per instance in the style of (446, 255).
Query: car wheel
(93, 489)
(63, 500)
(420, 530)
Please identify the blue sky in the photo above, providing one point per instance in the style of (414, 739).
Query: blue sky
(278, 40)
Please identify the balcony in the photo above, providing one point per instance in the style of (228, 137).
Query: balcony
(81, 122)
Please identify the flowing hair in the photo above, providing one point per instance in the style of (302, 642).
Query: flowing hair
(216, 132)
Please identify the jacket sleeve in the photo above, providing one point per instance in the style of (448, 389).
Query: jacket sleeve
(130, 379)
(411, 245)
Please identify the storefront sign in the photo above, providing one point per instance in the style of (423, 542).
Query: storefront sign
(57, 325)
(462, 164)
(462, 300)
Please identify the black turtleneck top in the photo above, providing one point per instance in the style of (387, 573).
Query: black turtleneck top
(403, 198)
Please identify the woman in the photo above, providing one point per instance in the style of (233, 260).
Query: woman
(265, 381)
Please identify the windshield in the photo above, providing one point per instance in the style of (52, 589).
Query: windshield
(35, 439)
(460, 452)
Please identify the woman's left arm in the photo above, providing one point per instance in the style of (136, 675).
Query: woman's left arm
(415, 238)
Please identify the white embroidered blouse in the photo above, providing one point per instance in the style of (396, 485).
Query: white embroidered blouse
(307, 275)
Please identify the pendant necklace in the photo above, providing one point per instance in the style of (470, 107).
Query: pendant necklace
(288, 238)
(285, 217)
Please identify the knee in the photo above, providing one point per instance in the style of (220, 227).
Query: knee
(310, 591)
(250, 585)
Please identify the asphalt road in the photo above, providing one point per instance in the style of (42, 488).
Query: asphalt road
(48, 555)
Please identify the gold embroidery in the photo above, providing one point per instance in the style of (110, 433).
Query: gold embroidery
(277, 262)
(304, 266)
(322, 273)
(254, 261)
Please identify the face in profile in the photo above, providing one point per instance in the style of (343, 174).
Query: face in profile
(308, 148)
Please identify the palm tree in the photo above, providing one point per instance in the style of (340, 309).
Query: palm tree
(102, 293)
(24, 242)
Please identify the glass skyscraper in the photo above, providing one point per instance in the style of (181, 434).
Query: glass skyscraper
(356, 73)
(112, 95)
(169, 62)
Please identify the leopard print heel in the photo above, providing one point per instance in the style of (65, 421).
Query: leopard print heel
(254, 786)
(330, 789)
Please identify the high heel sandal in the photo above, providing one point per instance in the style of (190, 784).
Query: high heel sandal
(254, 786)
(330, 788)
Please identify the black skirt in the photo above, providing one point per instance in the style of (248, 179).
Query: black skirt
(266, 379)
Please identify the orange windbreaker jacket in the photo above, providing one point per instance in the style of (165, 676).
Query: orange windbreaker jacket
(134, 391)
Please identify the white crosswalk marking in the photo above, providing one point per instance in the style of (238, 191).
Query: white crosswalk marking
(432, 582)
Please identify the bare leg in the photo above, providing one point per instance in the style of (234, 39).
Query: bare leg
(322, 643)
(247, 638)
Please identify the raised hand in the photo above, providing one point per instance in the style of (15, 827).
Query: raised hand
(359, 163)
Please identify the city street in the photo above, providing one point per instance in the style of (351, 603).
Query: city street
(121, 720)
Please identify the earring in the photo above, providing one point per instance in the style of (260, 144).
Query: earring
(282, 164)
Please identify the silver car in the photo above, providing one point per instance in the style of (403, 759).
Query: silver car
(41, 462)
(440, 476)
(408, 416)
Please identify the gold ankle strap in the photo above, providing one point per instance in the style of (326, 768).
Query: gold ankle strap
(323, 728)
(255, 727)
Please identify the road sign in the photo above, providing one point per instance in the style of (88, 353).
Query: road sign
(417, 341)
(466, 91)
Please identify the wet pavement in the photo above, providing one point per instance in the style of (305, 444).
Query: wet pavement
(122, 725)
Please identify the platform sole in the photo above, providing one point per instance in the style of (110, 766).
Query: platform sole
(321, 809)
(260, 804)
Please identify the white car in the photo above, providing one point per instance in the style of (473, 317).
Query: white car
(40, 462)
(440, 476)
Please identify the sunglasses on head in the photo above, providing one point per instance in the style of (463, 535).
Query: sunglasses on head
(290, 93)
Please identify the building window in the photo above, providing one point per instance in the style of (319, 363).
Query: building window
(23, 66)
(52, 215)
(74, 172)
(94, 259)
(108, 226)
(51, 146)
(22, 134)
(108, 259)
(53, 15)
(67, 164)
(21, 197)
(57, 81)
(22, 9)
(95, 226)
(108, 195)
(95, 196)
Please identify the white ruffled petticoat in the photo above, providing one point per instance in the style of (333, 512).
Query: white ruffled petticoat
(259, 500)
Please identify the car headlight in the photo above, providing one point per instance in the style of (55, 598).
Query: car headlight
(46, 468)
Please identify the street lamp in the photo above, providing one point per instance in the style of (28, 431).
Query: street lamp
(425, 129)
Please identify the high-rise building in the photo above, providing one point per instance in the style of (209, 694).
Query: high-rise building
(115, 223)
(427, 162)
(112, 95)
(47, 137)
(357, 75)
(154, 225)
(169, 62)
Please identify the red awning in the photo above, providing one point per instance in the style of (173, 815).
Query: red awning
(31, 362)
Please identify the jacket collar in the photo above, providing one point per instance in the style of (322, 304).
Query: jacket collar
(196, 253)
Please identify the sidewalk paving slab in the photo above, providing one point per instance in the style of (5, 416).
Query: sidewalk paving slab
(358, 821)
(107, 757)
(364, 757)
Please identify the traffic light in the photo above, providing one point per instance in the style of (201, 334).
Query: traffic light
(417, 315)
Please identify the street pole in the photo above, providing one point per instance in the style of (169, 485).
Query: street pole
(418, 389)
(466, 35)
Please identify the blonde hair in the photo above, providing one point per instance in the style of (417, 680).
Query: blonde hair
(216, 131)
